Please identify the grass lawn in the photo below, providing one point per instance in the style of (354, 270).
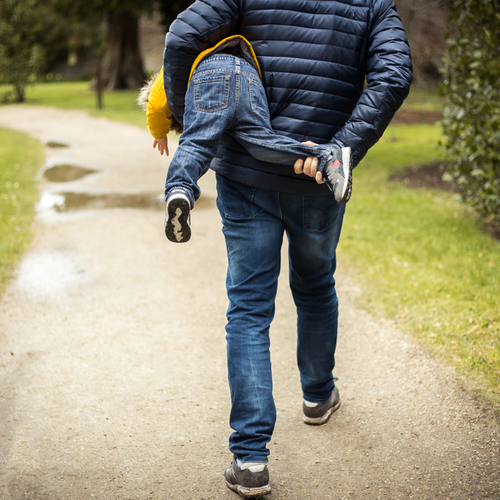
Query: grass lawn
(118, 105)
(424, 259)
(421, 256)
(422, 98)
(20, 160)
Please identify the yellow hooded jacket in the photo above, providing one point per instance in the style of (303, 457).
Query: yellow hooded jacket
(158, 113)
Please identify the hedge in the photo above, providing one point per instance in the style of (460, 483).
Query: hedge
(471, 119)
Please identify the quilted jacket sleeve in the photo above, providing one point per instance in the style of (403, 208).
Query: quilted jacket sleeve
(201, 26)
(388, 77)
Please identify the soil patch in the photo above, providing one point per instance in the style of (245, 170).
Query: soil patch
(425, 176)
(415, 116)
(431, 176)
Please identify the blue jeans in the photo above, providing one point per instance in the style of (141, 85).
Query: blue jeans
(225, 95)
(254, 222)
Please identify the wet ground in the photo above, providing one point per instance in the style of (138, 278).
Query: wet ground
(112, 357)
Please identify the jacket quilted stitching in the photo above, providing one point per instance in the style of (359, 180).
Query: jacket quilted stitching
(334, 71)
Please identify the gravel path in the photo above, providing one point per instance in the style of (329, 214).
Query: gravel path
(112, 358)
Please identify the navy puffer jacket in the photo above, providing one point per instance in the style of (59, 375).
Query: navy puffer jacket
(315, 57)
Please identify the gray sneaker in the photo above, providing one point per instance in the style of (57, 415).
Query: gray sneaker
(337, 174)
(178, 218)
(319, 413)
(249, 481)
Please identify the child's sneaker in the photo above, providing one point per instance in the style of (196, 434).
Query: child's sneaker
(178, 218)
(337, 174)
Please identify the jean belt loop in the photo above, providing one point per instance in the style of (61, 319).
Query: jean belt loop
(238, 65)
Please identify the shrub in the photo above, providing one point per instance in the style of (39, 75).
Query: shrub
(471, 120)
(20, 54)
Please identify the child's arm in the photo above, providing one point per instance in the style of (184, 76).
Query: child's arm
(162, 145)
(153, 100)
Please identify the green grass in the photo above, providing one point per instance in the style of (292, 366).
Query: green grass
(20, 160)
(118, 105)
(424, 259)
(422, 98)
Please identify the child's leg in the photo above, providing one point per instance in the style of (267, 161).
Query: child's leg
(252, 128)
(210, 108)
(333, 163)
(264, 144)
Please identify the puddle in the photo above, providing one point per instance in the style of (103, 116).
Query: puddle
(68, 202)
(49, 273)
(56, 143)
(49, 202)
(66, 173)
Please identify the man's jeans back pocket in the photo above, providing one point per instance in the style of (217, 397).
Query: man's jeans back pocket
(321, 212)
(235, 200)
(211, 92)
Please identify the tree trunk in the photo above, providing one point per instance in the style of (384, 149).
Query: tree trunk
(122, 66)
(19, 89)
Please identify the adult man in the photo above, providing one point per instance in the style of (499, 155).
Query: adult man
(315, 56)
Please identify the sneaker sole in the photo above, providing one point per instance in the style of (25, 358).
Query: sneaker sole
(177, 228)
(324, 418)
(333, 178)
(245, 492)
(346, 167)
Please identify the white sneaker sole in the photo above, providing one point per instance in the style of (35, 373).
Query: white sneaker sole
(245, 492)
(323, 419)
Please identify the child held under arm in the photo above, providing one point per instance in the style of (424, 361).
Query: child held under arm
(225, 95)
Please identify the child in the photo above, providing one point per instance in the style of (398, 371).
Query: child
(225, 94)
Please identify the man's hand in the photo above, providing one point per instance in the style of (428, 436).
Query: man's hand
(162, 145)
(310, 166)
